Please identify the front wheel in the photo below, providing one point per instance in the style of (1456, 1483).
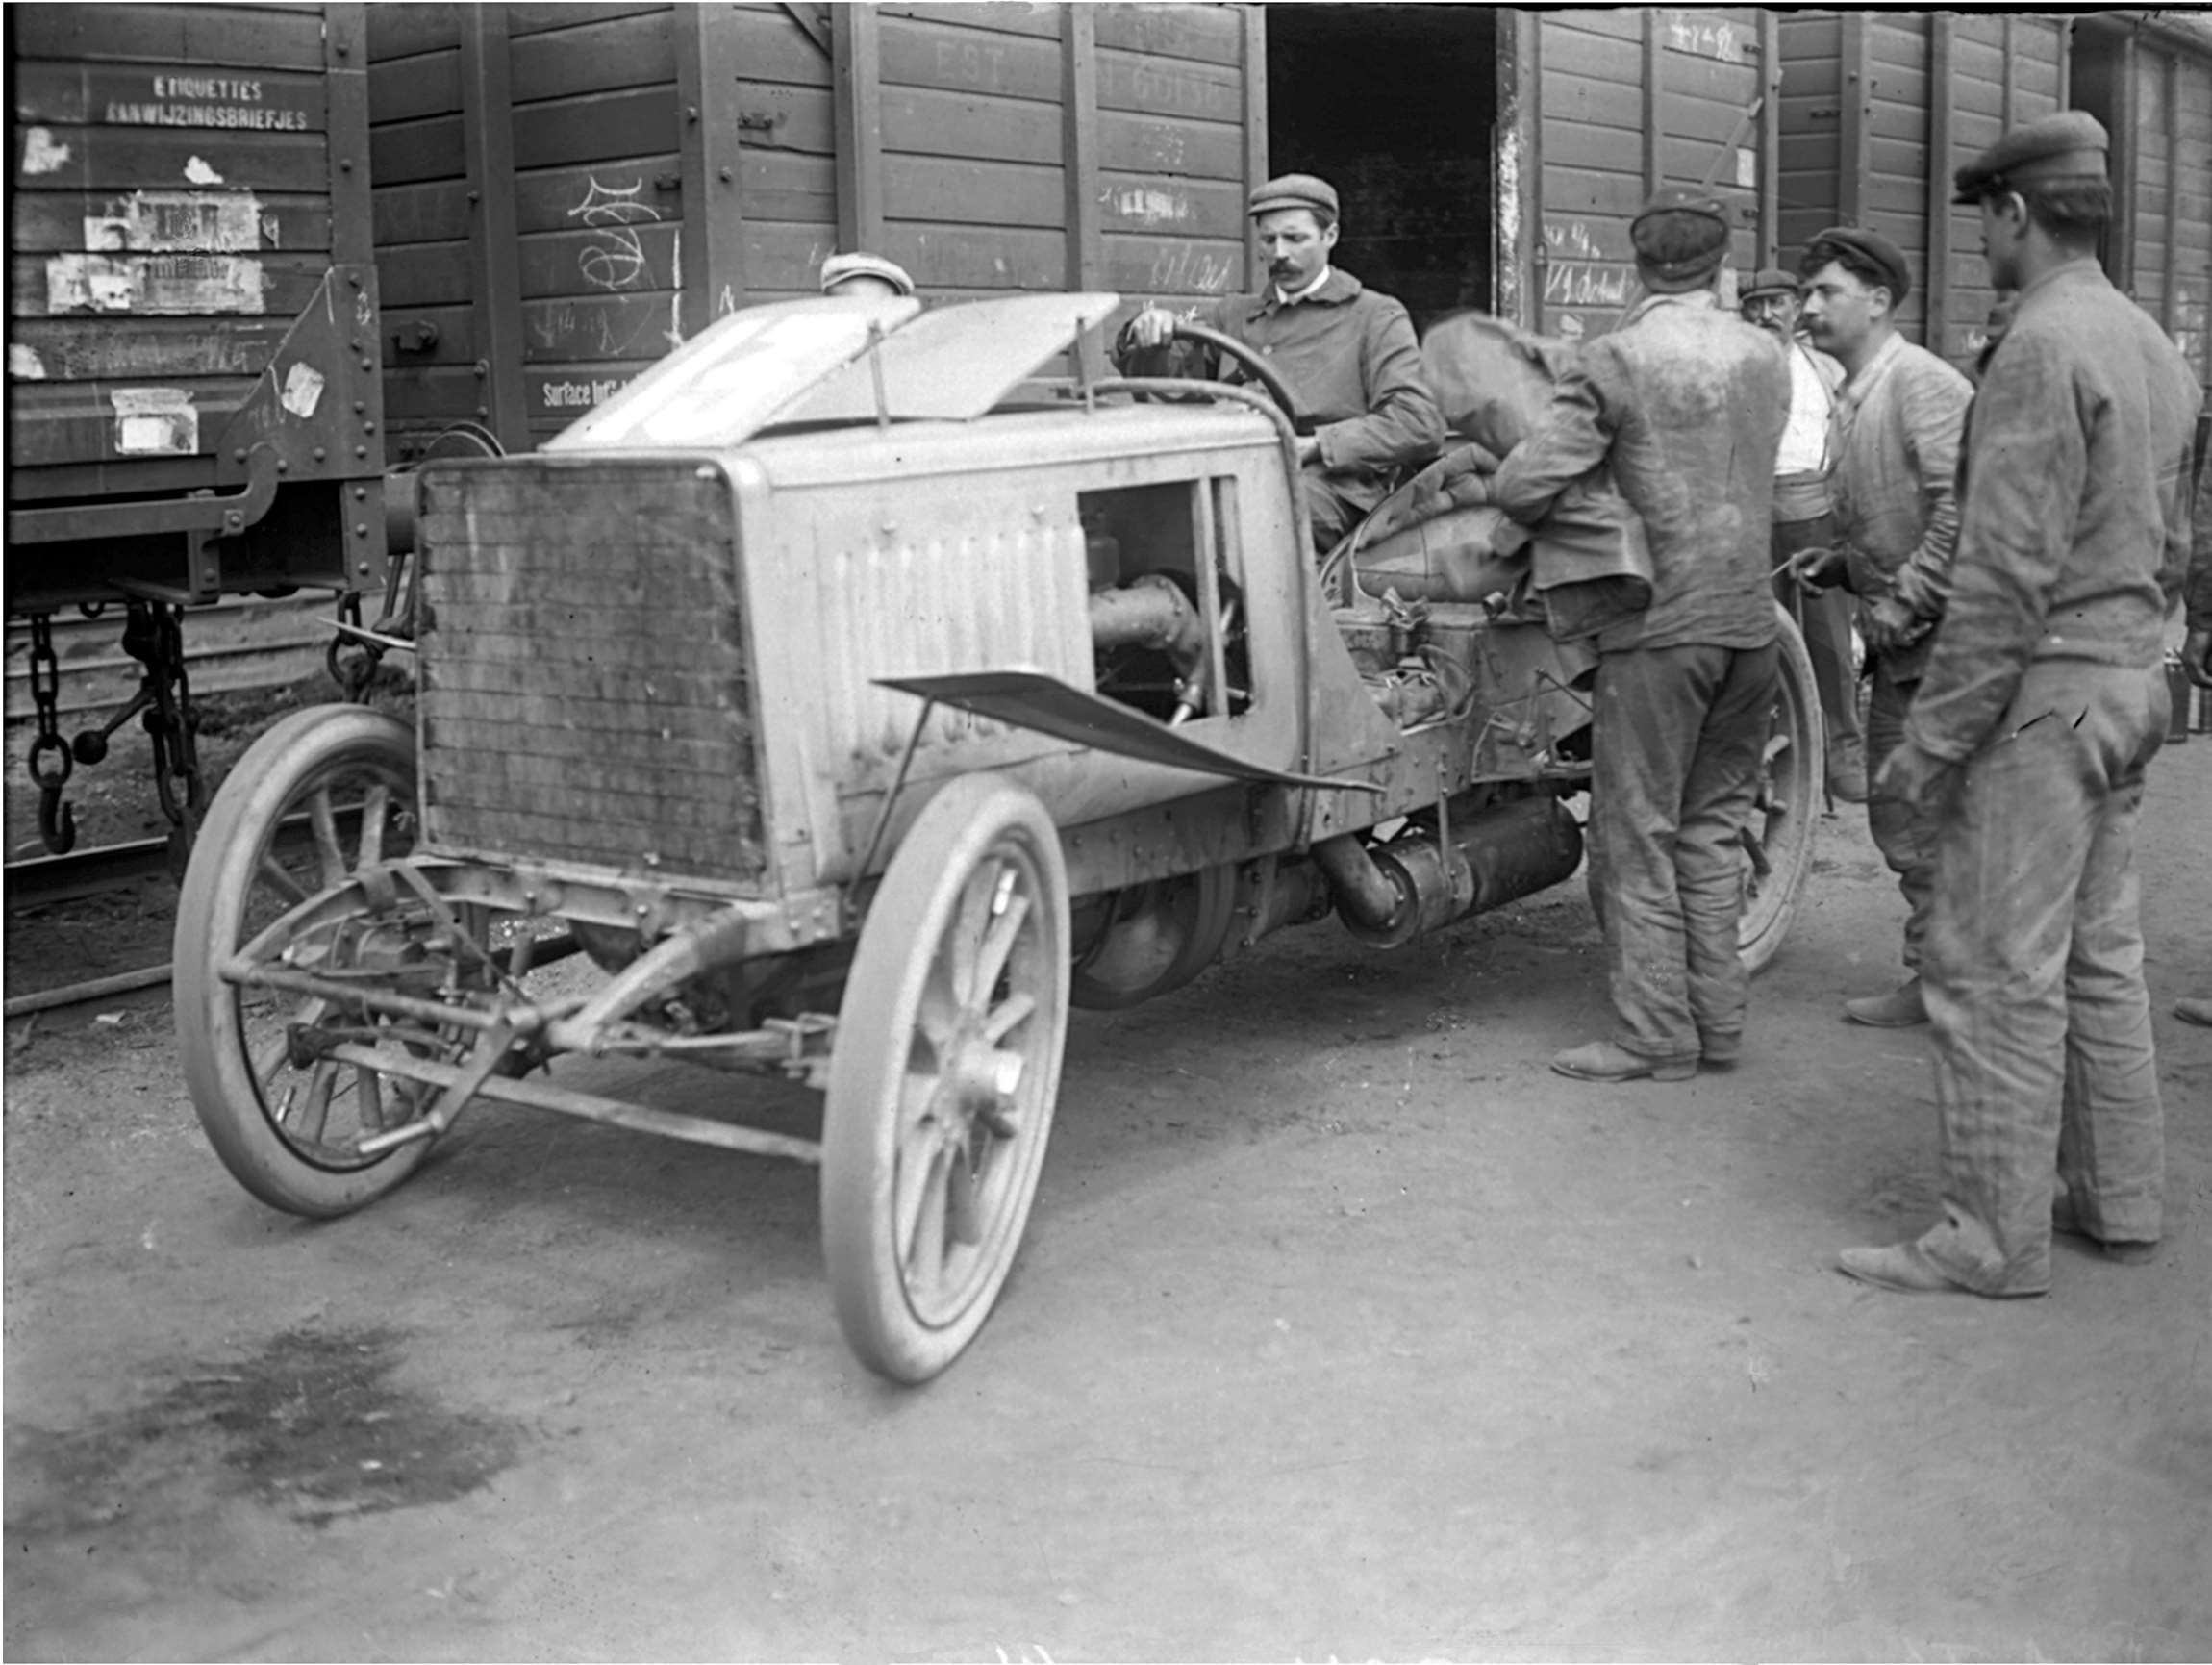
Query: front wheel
(944, 1076)
(326, 792)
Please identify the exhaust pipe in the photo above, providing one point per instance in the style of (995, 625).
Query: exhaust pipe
(1397, 892)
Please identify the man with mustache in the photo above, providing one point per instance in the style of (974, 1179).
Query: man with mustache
(1349, 354)
(1897, 426)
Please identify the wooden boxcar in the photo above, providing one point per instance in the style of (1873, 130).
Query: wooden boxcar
(1603, 109)
(1879, 107)
(194, 400)
(2151, 82)
(565, 191)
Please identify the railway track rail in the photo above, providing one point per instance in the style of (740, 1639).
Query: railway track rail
(81, 873)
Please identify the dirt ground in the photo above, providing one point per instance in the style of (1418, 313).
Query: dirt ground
(1344, 1328)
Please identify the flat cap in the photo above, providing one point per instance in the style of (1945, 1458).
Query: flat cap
(1873, 247)
(1679, 236)
(2071, 144)
(840, 268)
(1294, 191)
(1769, 280)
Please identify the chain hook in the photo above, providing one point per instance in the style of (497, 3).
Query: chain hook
(352, 663)
(50, 761)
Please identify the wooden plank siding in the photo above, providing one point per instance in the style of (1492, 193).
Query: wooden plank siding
(1859, 145)
(2167, 159)
(1631, 100)
(173, 175)
(666, 163)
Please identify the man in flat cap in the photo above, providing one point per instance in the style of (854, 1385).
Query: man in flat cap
(1898, 430)
(1686, 403)
(1803, 521)
(2042, 704)
(863, 274)
(1347, 353)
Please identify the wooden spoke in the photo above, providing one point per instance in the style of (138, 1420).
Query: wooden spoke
(964, 1212)
(375, 805)
(274, 872)
(314, 1113)
(324, 819)
(996, 947)
(1010, 1015)
(924, 1257)
(368, 1093)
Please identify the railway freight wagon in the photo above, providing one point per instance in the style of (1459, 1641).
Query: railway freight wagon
(1879, 108)
(194, 408)
(564, 193)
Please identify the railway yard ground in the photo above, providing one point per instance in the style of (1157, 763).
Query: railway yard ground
(1344, 1328)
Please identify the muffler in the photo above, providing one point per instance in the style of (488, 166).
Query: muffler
(1393, 893)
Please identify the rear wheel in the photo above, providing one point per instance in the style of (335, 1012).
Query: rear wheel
(944, 1076)
(1785, 811)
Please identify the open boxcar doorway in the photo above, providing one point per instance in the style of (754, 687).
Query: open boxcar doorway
(1395, 106)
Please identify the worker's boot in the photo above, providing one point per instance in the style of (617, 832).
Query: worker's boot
(1899, 1009)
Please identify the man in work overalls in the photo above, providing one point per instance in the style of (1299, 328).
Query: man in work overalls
(1348, 352)
(1898, 429)
(2044, 701)
(1686, 403)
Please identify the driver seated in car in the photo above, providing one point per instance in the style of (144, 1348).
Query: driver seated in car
(1347, 354)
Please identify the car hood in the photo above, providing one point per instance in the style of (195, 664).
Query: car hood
(835, 361)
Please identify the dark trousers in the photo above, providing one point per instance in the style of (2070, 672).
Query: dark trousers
(1677, 741)
(1338, 502)
(1905, 833)
(2033, 971)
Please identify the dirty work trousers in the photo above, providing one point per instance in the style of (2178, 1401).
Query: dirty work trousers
(1824, 619)
(1677, 742)
(1338, 502)
(1904, 833)
(2034, 970)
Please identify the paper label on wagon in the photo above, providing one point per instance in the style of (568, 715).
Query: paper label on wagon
(155, 423)
(166, 283)
(202, 221)
(302, 390)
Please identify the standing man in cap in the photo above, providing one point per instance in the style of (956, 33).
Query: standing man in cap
(1347, 353)
(1686, 403)
(1898, 431)
(863, 274)
(2042, 704)
(1803, 521)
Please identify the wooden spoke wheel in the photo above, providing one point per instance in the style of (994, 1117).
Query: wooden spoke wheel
(323, 794)
(1778, 841)
(944, 1075)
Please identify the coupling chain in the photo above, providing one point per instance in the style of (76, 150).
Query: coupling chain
(351, 661)
(171, 724)
(50, 762)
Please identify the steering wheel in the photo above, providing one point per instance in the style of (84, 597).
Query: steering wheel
(1260, 369)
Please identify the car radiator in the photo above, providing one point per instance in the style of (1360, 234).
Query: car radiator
(584, 688)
